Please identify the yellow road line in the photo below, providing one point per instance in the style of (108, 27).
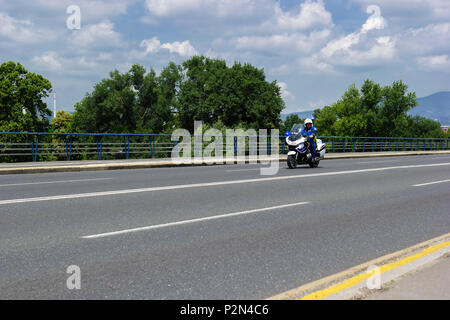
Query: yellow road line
(319, 295)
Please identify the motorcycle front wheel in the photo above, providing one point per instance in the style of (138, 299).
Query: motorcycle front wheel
(292, 162)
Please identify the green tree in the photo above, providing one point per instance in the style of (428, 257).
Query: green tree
(110, 108)
(375, 111)
(61, 123)
(22, 108)
(239, 95)
(157, 100)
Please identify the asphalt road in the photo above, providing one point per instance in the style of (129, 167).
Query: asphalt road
(284, 230)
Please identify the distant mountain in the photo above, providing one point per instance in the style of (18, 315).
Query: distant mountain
(301, 115)
(435, 106)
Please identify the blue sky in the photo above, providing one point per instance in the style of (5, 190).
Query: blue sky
(314, 49)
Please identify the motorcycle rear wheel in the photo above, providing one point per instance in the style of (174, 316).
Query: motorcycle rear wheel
(313, 164)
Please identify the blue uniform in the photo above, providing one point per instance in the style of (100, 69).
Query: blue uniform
(307, 133)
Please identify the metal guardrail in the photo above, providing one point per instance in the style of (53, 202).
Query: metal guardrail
(26, 146)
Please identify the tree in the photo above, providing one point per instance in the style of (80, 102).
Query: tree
(157, 100)
(109, 108)
(375, 111)
(239, 95)
(132, 102)
(202, 91)
(22, 108)
(61, 123)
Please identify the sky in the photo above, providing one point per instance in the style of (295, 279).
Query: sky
(314, 49)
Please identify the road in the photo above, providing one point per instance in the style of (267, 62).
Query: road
(215, 232)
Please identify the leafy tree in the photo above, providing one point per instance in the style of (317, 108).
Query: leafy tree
(213, 92)
(201, 94)
(132, 102)
(375, 111)
(109, 108)
(157, 100)
(61, 123)
(22, 108)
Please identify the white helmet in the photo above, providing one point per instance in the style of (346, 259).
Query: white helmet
(308, 121)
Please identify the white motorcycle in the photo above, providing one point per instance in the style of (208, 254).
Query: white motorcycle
(300, 149)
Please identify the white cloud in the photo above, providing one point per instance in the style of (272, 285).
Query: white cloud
(411, 11)
(49, 60)
(311, 14)
(286, 42)
(206, 8)
(432, 39)
(153, 45)
(91, 10)
(355, 49)
(22, 31)
(375, 21)
(285, 94)
(313, 65)
(344, 44)
(184, 49)
(97, 35)
(435, 63)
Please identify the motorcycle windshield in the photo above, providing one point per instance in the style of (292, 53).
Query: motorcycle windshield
(295, 136)
(296, 132)
(296, 128)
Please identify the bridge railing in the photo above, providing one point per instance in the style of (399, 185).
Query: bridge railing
(20, 146)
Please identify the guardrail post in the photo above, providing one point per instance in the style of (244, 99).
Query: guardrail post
(354, 145)
(343, 146)
(332, 145)
(99, 141)
(364, 145)
(283, 146)
(68, 148)
(34, 147)
(126, 143)
(373, 146)
(151, 141)
(389, 144)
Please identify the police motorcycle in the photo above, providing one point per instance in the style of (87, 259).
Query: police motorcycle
(300, 149)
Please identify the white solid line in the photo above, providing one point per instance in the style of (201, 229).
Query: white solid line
(51, 182)
(210, 184)
(430, 183)
(240, 170)
(375, 162)
(171, 224)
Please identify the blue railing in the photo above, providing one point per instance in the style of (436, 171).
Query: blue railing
(26, 146)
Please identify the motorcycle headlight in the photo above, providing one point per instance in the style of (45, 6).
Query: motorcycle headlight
(291, 143)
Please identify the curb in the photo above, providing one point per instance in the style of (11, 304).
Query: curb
(169, 163)
(358, 290)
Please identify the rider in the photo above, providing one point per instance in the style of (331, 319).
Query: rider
(310, 132)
